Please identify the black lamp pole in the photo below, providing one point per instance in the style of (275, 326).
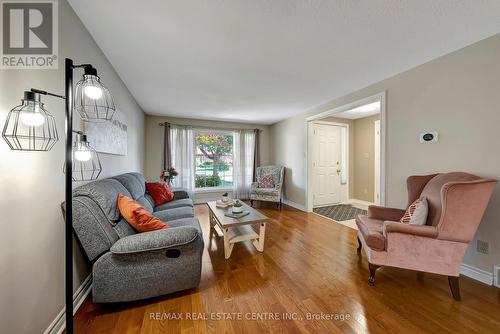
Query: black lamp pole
(68, 189)
(68, 178)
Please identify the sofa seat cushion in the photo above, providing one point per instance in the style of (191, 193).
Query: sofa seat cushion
(176, 203)
(266, 191)
(173, 214)
(372, 232)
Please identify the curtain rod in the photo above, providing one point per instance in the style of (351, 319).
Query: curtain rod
(208, 127)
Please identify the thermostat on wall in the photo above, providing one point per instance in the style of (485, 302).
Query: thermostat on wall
(427, 137)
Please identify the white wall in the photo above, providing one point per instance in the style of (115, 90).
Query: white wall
(457, 95)
(32, 187)
(154, 146)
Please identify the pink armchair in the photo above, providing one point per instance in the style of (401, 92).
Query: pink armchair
(456, 205)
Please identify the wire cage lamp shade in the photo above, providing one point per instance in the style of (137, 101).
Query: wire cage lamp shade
(29, 126)
(86, 163)
(93, 100)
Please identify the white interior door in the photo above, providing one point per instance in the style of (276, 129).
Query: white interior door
(376, 195)
(326, 164)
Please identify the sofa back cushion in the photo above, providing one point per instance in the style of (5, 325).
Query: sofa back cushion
(96, 219)
(432, 191)
(135, 183)
(92, 228)
(105, 194)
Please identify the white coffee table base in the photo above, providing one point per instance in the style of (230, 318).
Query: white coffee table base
(240, 233)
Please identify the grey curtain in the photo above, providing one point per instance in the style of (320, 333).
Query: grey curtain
(256, 154)
(167, 146)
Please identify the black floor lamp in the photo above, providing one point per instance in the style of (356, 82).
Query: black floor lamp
(30, 127)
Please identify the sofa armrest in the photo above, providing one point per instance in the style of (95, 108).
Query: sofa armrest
(180, 193)
(254, 185)
(155, 240)
(383, 213)
(419, 230)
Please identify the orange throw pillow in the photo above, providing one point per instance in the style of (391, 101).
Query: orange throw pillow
(138, 217)
(160, 192)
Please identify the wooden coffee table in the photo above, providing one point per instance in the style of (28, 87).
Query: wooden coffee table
(238, 229)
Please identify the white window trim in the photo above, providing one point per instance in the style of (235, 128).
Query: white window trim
(212, 190)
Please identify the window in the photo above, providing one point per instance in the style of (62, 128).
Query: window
(213, 159)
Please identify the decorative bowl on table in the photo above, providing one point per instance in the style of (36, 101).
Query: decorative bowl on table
(225, 197)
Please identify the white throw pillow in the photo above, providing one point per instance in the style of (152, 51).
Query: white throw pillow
(416, 214)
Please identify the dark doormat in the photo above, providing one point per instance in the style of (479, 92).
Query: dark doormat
(339, 212)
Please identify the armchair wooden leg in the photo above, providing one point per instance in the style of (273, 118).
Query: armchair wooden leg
(455, 287)
(360, 245)
(371, 278)
(251, 203)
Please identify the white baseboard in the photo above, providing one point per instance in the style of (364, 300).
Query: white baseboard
(59, 323)
(477, 274)
(295, 205)
(359, 202)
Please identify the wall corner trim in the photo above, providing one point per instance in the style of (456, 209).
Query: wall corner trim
(294, 205)
(476, 274)
(58, 324)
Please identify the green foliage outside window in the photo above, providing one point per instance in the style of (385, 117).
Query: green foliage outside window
(202, 181)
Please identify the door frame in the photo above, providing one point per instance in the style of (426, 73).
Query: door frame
(310, 147)
(381, 97)
(376, 188)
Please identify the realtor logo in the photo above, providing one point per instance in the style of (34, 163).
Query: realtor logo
(29, 34)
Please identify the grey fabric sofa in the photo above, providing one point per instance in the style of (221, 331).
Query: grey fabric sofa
(127, 265)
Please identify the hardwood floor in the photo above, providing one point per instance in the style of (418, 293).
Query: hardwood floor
(309, 266)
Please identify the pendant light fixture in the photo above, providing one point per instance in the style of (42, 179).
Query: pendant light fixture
(29, 126)
(92, 99)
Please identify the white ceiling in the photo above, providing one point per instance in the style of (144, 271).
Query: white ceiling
(261, 61)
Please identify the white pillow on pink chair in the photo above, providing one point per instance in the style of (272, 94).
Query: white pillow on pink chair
(416, 214)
